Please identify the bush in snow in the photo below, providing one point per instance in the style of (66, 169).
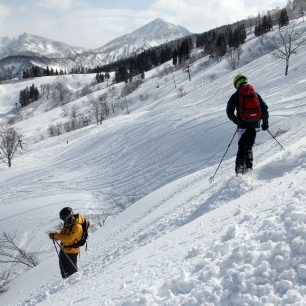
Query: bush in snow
(180, 92)
(96, 221)
(11, 253)
(4, 280)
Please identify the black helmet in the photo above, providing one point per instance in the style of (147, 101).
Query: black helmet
(66, 213)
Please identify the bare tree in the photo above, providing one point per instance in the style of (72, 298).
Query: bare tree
(126, 90)
(99, 108)
(11, 253)
(112, 92)
(45, 90)
(118, 203)
(286, 42)
(10, 140)
(74, 114)
(233, 57)
(180, 92)
(65, 110)
(62, 92)
(96, 221)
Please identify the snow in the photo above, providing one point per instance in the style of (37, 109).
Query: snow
(185, 241)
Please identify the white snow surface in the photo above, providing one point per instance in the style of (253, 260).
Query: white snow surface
(186, 241)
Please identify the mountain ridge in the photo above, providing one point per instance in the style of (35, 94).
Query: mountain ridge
(64, 56)
(158, 29)
(30, 44)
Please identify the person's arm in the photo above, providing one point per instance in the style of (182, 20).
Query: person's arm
(230, 109)
(264, 110)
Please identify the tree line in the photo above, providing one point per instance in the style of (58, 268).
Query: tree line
(37, 71)
(28, 95)
(265, 24)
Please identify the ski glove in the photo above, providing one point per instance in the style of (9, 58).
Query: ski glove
(265, 126)
(51, 235)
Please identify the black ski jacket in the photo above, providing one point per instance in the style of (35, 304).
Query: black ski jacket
(232, 112)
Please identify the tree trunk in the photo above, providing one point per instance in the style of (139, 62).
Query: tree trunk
(287, 67)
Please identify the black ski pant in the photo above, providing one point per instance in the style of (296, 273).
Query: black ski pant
(244, 158)
(68, 264)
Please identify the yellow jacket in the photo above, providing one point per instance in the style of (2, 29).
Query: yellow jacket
(70, 234)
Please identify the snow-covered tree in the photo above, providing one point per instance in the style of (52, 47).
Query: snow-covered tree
(286, 41)
(10, 141)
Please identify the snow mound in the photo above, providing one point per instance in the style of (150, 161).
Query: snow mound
(263, 268)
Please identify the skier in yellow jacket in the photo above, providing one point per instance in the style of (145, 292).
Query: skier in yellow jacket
(70, 234)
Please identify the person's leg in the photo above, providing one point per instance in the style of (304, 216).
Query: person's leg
(240, 157)
(250, 136)
(62, 264)
(68, 264)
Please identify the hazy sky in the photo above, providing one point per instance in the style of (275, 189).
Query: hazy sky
(92, 23)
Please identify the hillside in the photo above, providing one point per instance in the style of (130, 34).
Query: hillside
(237, 241)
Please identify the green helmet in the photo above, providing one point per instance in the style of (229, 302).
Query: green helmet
(239, 79)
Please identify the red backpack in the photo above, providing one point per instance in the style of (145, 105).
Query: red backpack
(249, 105)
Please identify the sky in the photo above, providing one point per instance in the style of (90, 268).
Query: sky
(93, 23)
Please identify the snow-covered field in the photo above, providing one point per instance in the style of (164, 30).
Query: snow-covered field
(236, 241)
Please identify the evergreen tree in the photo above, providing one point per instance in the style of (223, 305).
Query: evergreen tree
(258, 31)
(229, 36)
(184, 51)
(33, 94)
(100, 77)
(266, 25)
(283, 18)
(121, 75)
(242, 33)
(220, 47)
(23, 98)
(28, 95)
(174, 57)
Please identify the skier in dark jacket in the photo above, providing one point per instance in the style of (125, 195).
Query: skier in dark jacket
(246, 129)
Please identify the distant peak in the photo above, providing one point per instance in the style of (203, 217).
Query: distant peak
(158, 20)
(25, 34)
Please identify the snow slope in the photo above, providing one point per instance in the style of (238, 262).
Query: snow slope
(237, 241)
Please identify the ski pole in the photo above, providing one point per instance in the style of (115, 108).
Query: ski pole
(212, 178)
(55, 248)
(276, 140)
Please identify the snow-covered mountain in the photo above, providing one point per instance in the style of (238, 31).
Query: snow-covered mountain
(25, 50)
(28, 44)
(152, 34)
